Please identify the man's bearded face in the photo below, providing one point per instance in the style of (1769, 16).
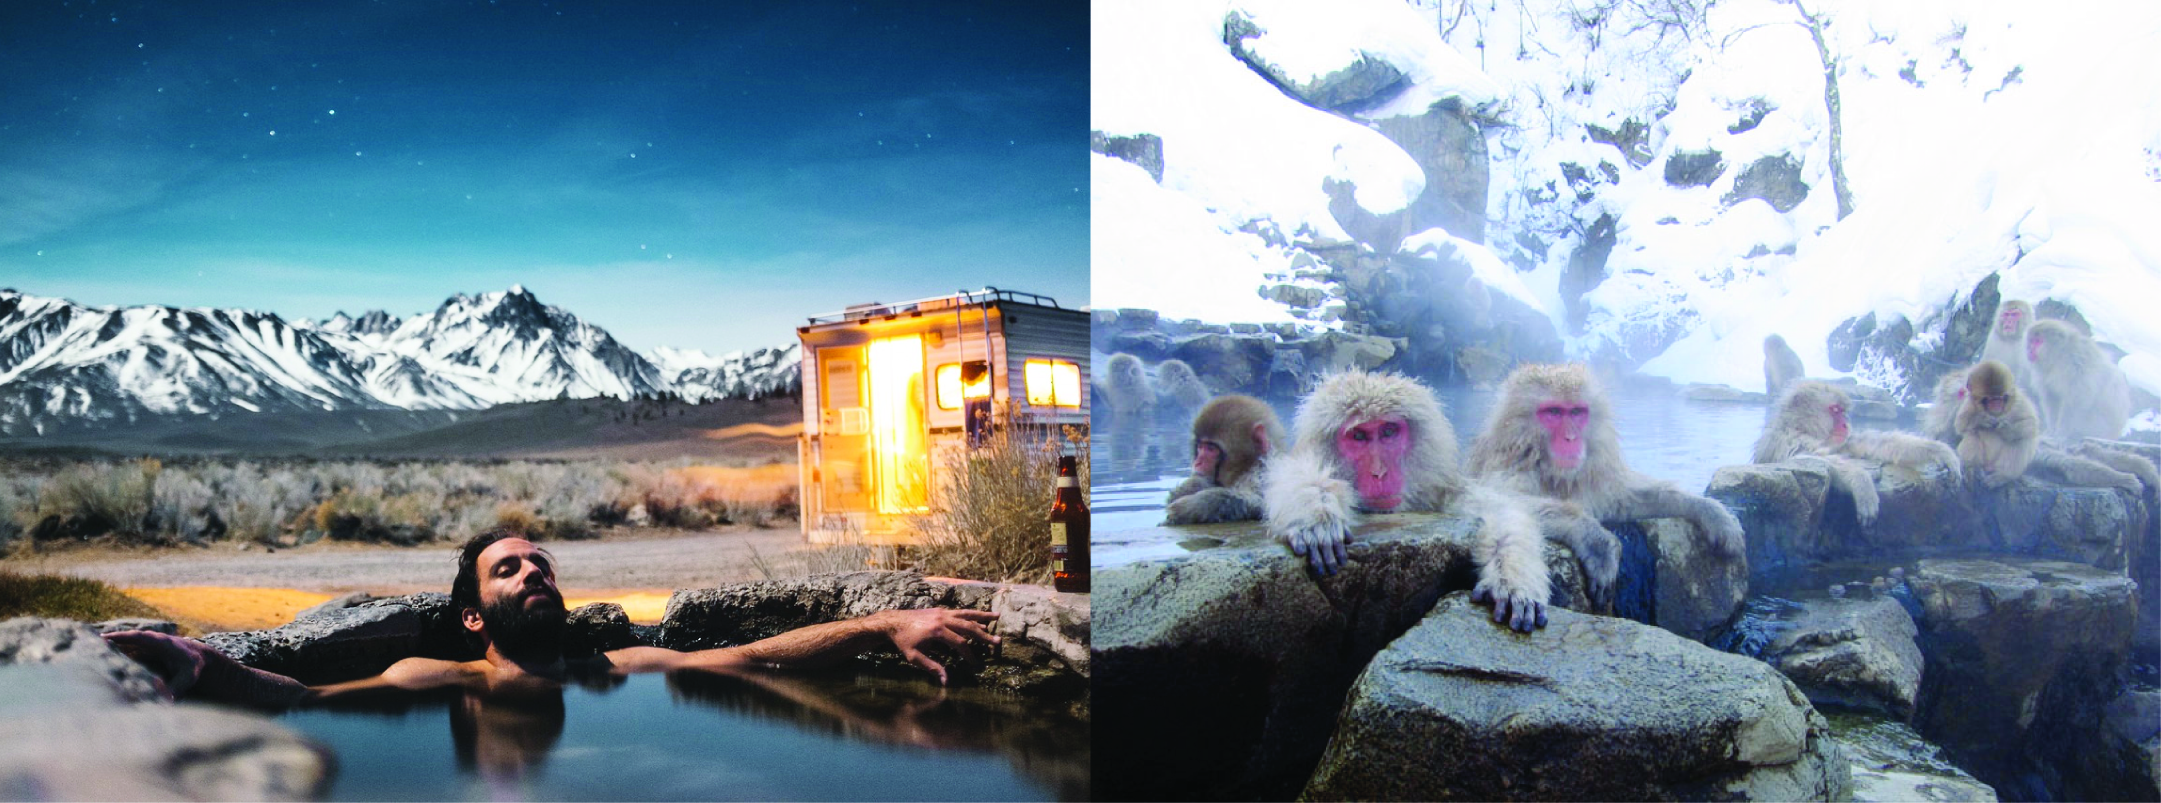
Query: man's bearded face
(520, 625)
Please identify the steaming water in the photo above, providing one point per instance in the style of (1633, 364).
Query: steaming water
(696, 737)
(1137, 462)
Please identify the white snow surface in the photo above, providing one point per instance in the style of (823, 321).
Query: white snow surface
(64, 359)
(1979, 136)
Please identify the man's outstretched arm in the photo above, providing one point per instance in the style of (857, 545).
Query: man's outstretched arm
(817, 645)
(192, 669)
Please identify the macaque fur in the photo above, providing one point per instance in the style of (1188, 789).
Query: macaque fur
(2006, 344)
(2083, 394)
(1809, 424)
(1552, 437)
(1177, 384)
(1998, 430)
(1781, 367)
(1232, 436)
(1125, 385)
(2087, 466)
(1380, 443)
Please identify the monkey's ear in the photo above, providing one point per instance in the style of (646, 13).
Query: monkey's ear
(1260, 436)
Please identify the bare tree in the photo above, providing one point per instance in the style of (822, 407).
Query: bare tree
(1815, 25)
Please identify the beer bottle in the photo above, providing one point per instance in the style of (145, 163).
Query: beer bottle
(1069, 531)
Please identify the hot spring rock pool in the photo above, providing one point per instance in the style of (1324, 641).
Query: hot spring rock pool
(701, 737)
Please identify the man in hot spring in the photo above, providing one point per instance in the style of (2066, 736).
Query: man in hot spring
(506, 592)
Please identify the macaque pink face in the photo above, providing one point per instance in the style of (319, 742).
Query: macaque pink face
(1375, 449)
(2033, 347)
(1995, 404)
(1564, 422)
(2009, 323)
(1207, 457)
(1838, 422)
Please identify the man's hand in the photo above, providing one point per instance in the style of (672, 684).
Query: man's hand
(179, 662)
(957, 629)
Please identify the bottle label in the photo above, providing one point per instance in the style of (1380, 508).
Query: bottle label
(1057, 533)
(1068, 482)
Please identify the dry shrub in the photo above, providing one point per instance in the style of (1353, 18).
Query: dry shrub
(66, 597)
(989, 516)
(519, 519)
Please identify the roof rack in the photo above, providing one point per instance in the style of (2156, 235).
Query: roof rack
(962, 298)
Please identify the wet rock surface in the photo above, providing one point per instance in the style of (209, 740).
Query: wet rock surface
(1045, 633)
(2023, 659)
(1853, 653)
(1893, 764)
(1222, 669)
(1590, 708)
(1672, 580)
(354, 642)
(1793, 517)
(80, 721)
(596, 628)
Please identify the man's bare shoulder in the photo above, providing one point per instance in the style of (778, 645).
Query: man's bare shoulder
(412, 674)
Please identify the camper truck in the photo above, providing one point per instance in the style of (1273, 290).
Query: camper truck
(892, 391)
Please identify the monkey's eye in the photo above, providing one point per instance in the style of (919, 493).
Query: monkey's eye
(1997, 399)
(1391, 429)
(1579, 412)
(1360, 435)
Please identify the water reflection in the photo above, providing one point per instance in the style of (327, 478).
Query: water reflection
(758, 736)
(1139, 458)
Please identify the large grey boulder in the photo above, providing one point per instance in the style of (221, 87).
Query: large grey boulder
(1793, 518)
(75, 725)
(2023, 658)
(1590, 708)
(1673, 580)
(596, 628)
(28, 640)
(2121, 758)
(1853, 653)
(1044, 633)
(1222, 665)
(355, 642)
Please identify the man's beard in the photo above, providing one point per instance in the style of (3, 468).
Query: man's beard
(525, 633)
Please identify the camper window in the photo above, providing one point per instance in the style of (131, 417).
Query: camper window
(962, 380)
(1053, 383)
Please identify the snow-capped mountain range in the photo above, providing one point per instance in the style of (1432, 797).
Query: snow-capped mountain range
(62, 362)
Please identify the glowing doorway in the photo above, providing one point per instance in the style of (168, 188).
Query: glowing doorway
(899, 425)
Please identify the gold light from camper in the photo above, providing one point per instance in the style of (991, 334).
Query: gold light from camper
(1053, 383)
(952, 388)
(899, 434)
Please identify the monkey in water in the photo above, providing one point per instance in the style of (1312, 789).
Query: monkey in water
(1552, 437)
(1378, 443)
(1232, 436)
(1809, 423)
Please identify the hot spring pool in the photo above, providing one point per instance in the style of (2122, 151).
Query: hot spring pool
(701, 737)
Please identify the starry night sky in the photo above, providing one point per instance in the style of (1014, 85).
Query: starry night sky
(695, 174)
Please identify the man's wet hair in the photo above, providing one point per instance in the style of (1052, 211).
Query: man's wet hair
(465, 588)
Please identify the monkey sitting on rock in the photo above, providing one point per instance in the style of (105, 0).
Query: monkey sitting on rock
(1809, 423)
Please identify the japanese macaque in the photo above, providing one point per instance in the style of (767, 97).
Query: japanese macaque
(2104, 469)
(1125, 385)
(1809, 424)
(1552, 437)
(1781, 366)
(1997, 427)
(1232, 435)
(2007, 344)
(1379, 443)
(2083, 394)
(1176, 384)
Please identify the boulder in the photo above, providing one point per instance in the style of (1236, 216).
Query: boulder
(1893, 764)
(1794, 518)
(1590, 708)
(2122, 758)
(1222, 661)
(2022, 661)
(1045, 633)
(29, 640)
(1450, 149)
(1670, 579)
(1852, 653)
(596, 628)
(153, 625)
(1362, 80)
(80, 721)
(355, 642)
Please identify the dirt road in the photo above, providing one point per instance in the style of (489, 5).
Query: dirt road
(653, 561)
